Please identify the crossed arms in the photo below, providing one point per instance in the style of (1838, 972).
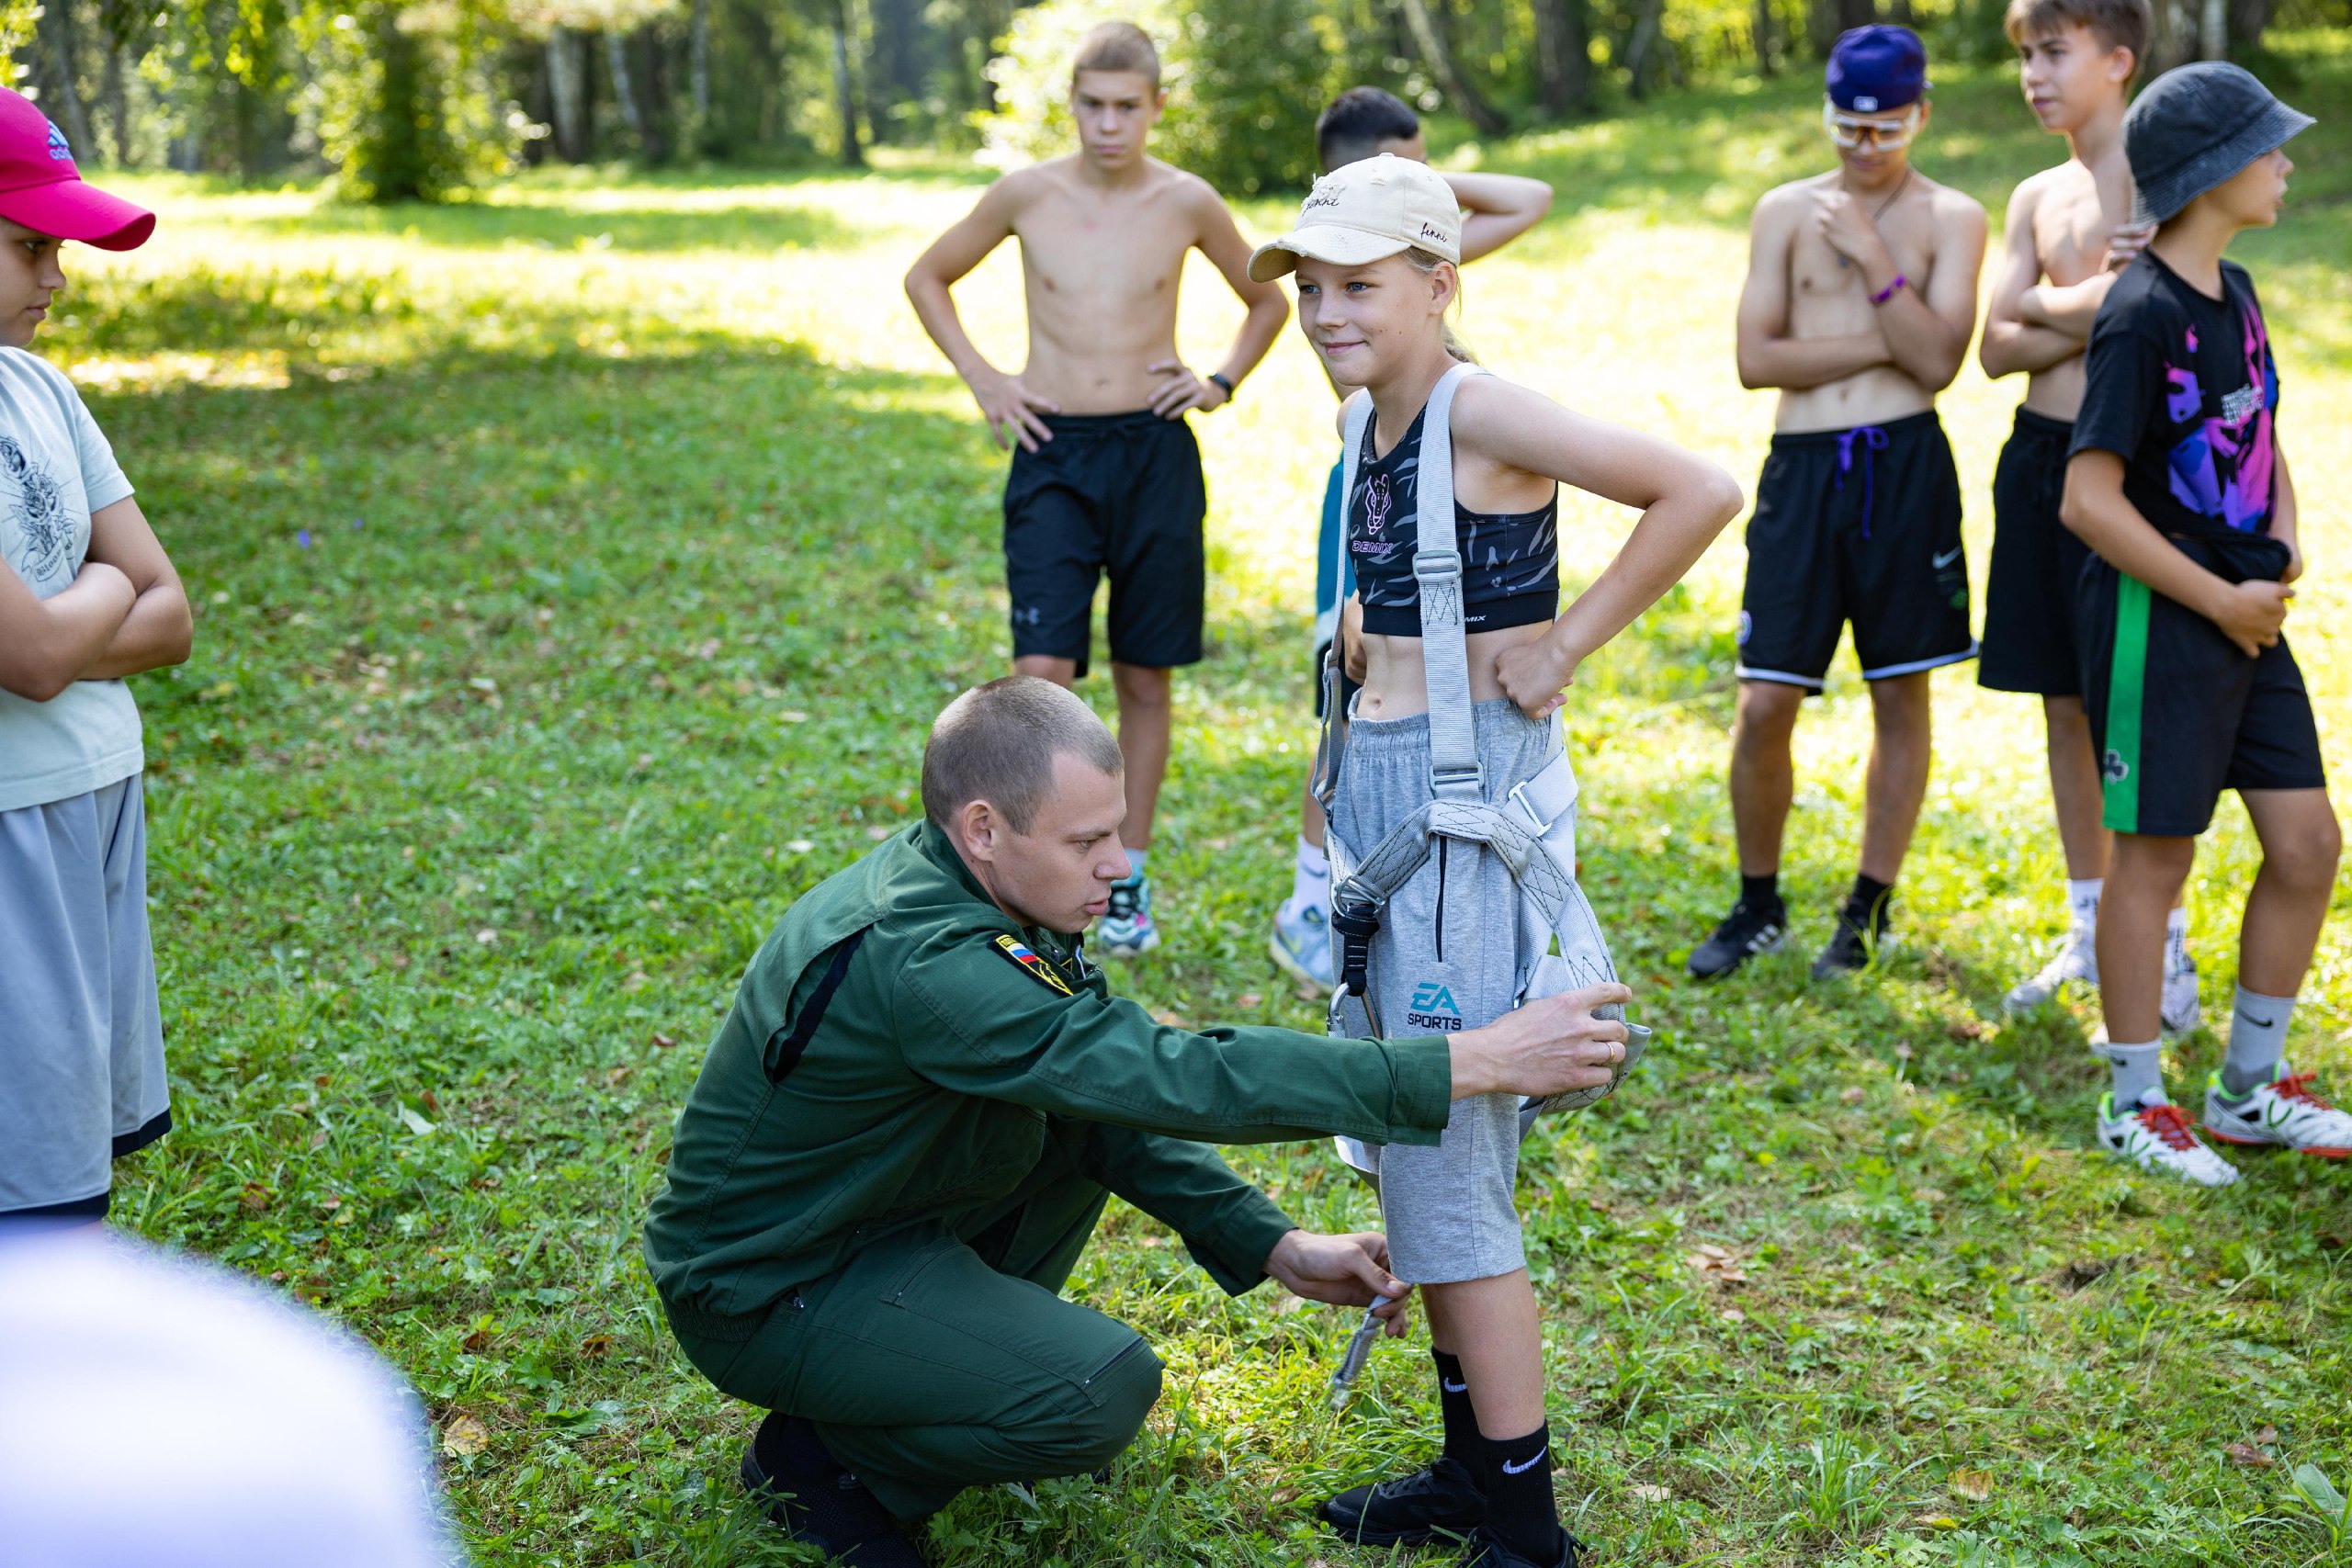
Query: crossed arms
(124, 612)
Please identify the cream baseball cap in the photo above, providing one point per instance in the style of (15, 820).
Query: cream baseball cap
(1363, 212)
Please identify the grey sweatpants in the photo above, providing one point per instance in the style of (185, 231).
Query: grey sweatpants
(1447, 958)
(81, 1032)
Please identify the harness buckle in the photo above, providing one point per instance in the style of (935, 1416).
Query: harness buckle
(1437, 566)
(1465, 782)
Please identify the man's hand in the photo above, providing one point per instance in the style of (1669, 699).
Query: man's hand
(1851, 230)
(1011, 409)
(1345, 1270)
(1182, 391)
(2251, 612)
(1536, 676)
(2128, 241)
(1546, 1047)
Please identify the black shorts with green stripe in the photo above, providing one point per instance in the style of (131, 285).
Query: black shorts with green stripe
(2177, 714)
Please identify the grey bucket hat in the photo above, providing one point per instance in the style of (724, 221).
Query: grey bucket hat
(2195, 128)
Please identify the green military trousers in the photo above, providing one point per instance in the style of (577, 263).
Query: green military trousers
(939, 1357)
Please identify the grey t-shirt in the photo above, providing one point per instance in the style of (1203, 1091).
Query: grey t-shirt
(55, 469)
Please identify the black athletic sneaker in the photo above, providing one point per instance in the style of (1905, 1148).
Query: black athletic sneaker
(827, 1507)
(1411, 1510)
(1748, 930)
(1848, 950)
(1483, 1551)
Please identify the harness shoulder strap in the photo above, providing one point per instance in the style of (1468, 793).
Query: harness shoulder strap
(1437, 568)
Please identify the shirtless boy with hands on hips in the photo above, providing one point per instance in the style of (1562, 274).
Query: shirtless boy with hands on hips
(1106, 476)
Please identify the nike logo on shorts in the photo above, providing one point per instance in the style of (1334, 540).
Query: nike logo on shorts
(1946, 559)
(1511, 1469)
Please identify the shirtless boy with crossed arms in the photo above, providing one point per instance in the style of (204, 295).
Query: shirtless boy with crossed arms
(1106, 476)
(2069, 239)
(1860, 302)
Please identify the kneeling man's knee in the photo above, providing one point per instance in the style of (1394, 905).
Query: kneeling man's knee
(1118, 1398)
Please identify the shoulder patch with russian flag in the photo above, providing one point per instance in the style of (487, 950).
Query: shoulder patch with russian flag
(1024, 958)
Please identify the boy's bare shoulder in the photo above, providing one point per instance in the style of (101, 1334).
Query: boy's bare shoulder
(1948, 201)
(1187, 188)
(1795, 193)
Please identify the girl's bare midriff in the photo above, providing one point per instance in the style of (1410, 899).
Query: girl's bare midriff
(1394, 686)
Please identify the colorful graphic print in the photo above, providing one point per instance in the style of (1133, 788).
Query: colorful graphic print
(2222, 469)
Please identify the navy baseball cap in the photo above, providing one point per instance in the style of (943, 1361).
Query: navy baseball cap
(1877, 68)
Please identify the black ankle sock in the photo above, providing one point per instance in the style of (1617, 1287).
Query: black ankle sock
(1760, 892)
(1866, 906)
(1520, 1510)
(1461, 1444)
(788, 1445)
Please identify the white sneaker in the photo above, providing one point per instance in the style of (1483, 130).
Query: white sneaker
(2157, 1137)
(2179, 1011)
(1302, 944)
(2076, 962)
(2283, 1114)
(1126, 930)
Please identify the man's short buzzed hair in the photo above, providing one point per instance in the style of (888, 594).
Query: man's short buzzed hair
(1117, 46)
(1353, 125)
(2116, 24)
(998, 743)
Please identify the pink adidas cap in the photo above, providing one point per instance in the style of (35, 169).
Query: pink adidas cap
(40, 188)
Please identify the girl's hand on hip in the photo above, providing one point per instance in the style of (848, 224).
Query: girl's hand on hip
(1536, 676)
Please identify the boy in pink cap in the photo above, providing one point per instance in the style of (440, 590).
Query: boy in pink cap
(87, 598)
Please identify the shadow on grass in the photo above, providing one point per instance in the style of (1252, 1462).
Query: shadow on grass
(564, 226)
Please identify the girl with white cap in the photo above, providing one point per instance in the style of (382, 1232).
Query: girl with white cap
(1375, 253)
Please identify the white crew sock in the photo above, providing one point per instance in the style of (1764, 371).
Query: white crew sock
(1310, 878)
(2082, 902)
(2177, 943)
(2139, 1075)
(2257, 1039)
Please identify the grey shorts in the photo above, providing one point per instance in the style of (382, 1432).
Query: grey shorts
(81, 1034)
(1447, 958)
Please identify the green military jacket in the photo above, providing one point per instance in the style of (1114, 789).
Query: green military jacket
(954, 1044)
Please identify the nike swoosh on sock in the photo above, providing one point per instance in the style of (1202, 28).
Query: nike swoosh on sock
(1511, 1469)
(1454, 1387)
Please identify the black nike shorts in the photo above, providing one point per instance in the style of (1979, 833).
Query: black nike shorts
(2177, 714)
(1859, 525)
(2037, 566)
(1116, 494)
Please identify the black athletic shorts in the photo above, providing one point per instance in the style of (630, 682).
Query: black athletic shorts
(2177, 714)
(1859, 525)
(1110, 492)
(2037, 566)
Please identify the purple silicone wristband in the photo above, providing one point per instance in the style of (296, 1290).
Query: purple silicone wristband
(1884, 295)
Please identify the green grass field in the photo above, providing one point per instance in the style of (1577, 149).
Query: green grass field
(575, 575)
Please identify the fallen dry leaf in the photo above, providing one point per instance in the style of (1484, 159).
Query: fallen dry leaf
(1649, 1493)
(1248, 999)
(1283, 1495)
(1976, 1486)
(1965, 1029)
(1732, 1315)
(476, 1343)
(2265, 1436)
(1710, 1250)
(1940, 1522)
(596, 1345)
(662, 1042)
(1852, 1096)
(464, 1435)
(877, 832)
(253, 1197)
(2247, 1456)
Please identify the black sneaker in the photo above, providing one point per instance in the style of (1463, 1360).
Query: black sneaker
(1411, 1510)
(827, 1507)
(1850, 948)
(1482, 1550)
(1748, 930)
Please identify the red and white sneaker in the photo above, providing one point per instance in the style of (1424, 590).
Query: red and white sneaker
(2283, 1114)
(2158, 1137)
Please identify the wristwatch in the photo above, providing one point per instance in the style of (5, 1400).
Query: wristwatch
(1218, 377)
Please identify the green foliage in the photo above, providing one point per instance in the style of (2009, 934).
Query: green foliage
(400, 116)
(1245, 80)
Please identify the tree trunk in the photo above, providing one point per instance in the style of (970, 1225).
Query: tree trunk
(1438, 55)
(1641, 52)
(845, 90)
(118, 96)
(2213, 30)
(56, 28)
(1563, 56)
(1824, 19)
(698, 64)
(624, 94)
(1766, 38)
(568, 95)
(1899, 11)
(2248, 19)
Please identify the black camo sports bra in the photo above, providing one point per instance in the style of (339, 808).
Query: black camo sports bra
(1510, 561)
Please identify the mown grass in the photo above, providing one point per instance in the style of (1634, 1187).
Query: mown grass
(575, 575)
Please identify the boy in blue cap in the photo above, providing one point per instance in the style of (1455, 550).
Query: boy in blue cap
(2177, 480)
(1860, 302)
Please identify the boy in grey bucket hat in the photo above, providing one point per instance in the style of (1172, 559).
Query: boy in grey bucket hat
(2176, 477)
(2195, 128)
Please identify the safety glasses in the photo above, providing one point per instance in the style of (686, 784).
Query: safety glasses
(1850, 131)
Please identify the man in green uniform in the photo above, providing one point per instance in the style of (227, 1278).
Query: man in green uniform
(910, 1122)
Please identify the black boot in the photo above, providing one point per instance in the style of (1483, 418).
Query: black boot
(1483, 1549)
(813, 1499)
